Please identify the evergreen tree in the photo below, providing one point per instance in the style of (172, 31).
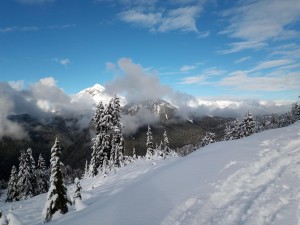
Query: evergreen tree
(228, 133)
(42, 176)
(32, 171)
(117, 138)
(149, 144)
(208, 139)
(166, 145)
(97, 153)
(26, 176)
(57, 195)
(77, 189)
(86, 169)
(295, 111)
(12, 189)
(134, 156)
(249, 124)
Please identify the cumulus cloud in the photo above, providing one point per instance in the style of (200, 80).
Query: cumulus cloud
(133, 122)
(8, 128)
(135, 84)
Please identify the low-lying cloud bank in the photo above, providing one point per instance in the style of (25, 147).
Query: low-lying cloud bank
(44, 99)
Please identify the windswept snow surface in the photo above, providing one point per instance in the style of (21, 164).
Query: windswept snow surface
(255, 180)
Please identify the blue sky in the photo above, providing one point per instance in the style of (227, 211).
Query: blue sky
(207, 48)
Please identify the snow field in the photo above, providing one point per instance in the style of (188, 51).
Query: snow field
(250, 181)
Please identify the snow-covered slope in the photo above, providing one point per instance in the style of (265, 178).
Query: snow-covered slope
(254, 180)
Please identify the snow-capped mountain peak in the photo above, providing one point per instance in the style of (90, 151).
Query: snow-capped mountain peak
(96, 92)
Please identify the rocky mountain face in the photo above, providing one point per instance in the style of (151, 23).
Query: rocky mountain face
(160, 108)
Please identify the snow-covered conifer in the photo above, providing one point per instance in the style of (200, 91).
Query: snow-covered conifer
(249, 124)
(167, 149)
(32, 171)
(77, 191)
(295, 111)
(57, 195)
(134, 156)
(86, 169)
(12, 188)
(42, 176)
(97, 154)
(26, 176)
(117, 140)
(149, 144)
(208, 139)
(228, 133)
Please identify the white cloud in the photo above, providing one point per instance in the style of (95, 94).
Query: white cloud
(203, 77)
(17, 85)
(183, 19)
(140, 18)
(271, 64)
(243, 59)
(272, 82)
(65, 61)
(162, 19)
(135, 84)
(187, 68)
(239, 46)
(20, 29)
(258, 22)
(262, 20)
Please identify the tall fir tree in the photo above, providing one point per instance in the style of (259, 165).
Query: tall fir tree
(97, 151)
(42, 176)
(57, 199)
(12, 188)
(32, 171)
(166, 145)
(26, 176)
(149, 144)
(118, 149)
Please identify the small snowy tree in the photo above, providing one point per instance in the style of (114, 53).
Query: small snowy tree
(149, 144)
(249, 124)
(208, 139)
(86, 169)
(12, 189)
(134, 156)
(77, 189)
(167, 149)
(57, 195)
(42, 175)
